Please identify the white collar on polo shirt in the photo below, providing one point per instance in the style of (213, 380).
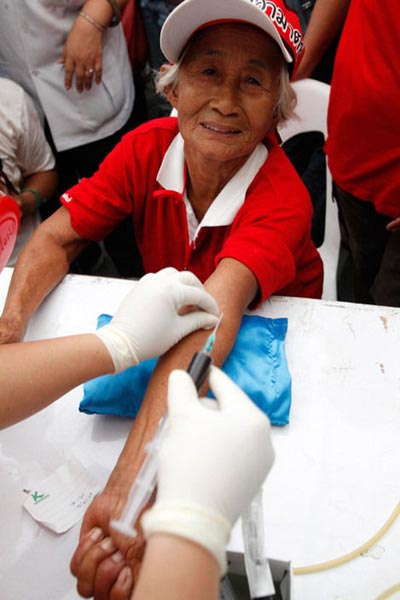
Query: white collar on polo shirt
(223, 210)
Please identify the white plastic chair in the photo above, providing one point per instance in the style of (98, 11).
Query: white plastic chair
(312, 107)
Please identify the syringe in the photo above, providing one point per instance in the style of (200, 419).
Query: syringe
(146, 480)
(201, 361)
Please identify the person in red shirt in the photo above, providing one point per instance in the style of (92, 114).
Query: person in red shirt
(263, 224)
(363, 145)
(210, 191)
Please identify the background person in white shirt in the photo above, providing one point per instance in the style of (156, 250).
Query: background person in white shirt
(27, 162)
(73, 62)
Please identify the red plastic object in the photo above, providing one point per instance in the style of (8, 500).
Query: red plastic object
(9, 223)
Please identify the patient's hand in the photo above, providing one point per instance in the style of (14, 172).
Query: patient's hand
(106, 563)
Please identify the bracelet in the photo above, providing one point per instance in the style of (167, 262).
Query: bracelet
(90, 20)
(38, 201)
(117, 12)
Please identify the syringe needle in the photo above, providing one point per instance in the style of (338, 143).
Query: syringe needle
(208, 346)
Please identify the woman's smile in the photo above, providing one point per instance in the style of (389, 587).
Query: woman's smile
(220, 129)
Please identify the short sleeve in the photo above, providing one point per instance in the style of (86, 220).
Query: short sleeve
(34, 152)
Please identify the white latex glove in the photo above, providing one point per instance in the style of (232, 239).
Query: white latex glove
(213, 459)
(147, 322)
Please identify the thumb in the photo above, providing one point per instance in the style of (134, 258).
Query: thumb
(227, 393)
(182, 393)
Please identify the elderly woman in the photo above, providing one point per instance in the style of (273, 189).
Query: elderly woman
(210, 191)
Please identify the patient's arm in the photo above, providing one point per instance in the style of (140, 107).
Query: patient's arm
(41, 265)
(233, 286)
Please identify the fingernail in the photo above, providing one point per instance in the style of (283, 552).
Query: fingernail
(117, 557)
(108, 544)
(96, 534)
(125, 578)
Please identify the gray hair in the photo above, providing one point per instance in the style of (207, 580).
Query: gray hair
(168, 77)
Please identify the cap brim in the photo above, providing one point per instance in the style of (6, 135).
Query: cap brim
(192, 15)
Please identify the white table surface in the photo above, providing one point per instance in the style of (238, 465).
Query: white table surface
(336, 477)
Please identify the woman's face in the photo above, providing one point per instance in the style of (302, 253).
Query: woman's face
(227, 91)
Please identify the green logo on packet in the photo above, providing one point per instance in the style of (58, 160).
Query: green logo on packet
(39, 497)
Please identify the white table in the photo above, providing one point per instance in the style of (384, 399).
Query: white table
(336, 477)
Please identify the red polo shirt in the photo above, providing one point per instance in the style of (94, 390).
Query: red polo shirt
(363, 145)
(270, 233)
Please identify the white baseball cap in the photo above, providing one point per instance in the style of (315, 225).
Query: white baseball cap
(271, 16)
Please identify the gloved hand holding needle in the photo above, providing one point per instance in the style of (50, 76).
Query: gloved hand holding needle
(214, 456)
(213, 460)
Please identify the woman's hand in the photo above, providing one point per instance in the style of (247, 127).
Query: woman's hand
(106, 563)
(82, 55)
(26, 202)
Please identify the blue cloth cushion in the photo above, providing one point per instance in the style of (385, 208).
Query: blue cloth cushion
(257, 363)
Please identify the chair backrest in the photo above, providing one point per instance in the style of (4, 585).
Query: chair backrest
(312, 108)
